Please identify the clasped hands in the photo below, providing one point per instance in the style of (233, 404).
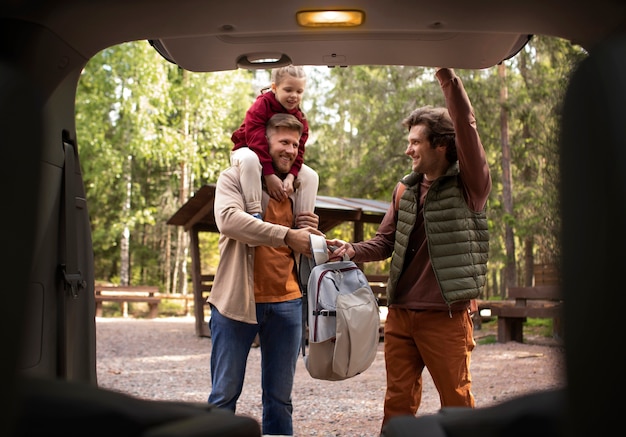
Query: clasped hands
(279, 189)
(300, 241)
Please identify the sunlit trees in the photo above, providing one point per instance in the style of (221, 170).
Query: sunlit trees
(150, 134)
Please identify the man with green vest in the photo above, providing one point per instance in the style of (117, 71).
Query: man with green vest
(435, 231)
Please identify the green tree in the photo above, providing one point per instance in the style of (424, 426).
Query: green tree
(544, 67)
(534, 82)
(116, 104)
(359, 141)
(149, 135)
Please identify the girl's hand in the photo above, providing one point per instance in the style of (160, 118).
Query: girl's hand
(288, 186)
(275, 187)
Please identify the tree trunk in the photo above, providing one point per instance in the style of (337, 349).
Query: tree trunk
(182, 241)
(125, 240)
(529, 261)
(507, 182)
(167, 271)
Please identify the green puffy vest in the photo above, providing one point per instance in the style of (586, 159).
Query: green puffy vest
(458, 238)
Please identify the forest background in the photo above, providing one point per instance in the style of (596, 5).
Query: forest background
(151, 134)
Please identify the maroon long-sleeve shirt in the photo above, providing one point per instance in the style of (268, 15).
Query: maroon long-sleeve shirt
(251, 133)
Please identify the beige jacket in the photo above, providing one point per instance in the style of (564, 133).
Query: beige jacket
(233, 287)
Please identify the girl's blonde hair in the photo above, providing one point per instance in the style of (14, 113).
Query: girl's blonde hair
(278, 74)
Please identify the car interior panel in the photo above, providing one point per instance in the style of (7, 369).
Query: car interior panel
(48, 327)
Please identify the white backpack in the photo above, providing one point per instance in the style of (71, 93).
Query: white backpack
(342, 316)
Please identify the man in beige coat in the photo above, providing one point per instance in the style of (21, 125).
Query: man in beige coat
(262, 297)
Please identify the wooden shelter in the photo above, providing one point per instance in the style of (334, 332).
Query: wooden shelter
(197, 215)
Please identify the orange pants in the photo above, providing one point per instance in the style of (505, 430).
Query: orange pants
(438, 340)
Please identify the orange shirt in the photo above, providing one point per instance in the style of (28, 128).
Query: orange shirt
(275, 277)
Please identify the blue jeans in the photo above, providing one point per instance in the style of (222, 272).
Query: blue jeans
(280, 333)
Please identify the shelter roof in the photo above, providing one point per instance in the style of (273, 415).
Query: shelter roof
(198, 211)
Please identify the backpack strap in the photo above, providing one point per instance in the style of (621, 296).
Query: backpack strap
(325, 313)
(407, 181)
(399, 192)
(305, 264)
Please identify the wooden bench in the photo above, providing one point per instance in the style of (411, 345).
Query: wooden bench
(188, 300)
(543, 301)
(126, 294)
(203, 283)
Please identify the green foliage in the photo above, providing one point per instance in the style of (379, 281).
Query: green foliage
(488, 339)
(534, 82)
(150, 134)
(360, 142)
(209, 252)
(173, 308)
(111, 309)
(541, 326)
(137, 310)
(145, 128)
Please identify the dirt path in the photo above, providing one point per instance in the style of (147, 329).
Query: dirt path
(163, 359)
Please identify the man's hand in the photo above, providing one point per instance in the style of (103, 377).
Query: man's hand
(443, 68)
(300, 241)
(307, 219)
(341, 248)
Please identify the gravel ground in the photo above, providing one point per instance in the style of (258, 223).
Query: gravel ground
(163, 359)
